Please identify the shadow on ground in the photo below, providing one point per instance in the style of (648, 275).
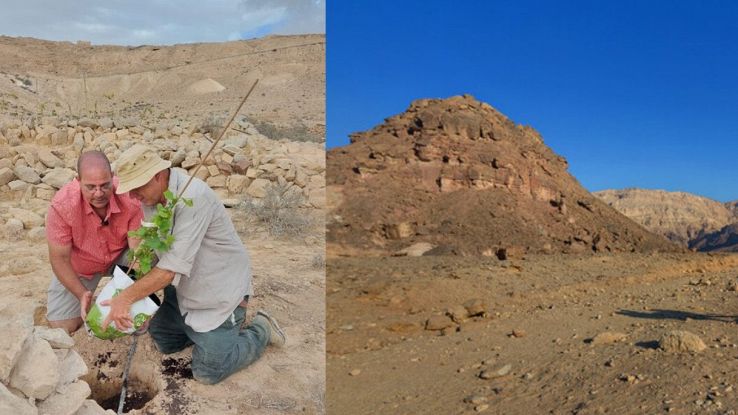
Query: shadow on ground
(677, 315)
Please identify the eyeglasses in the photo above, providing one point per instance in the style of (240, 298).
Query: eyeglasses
(105, 187)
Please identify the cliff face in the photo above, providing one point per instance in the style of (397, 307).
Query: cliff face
(681, 217)
(457, 174)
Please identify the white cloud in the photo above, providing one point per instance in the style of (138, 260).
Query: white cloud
(132, 22)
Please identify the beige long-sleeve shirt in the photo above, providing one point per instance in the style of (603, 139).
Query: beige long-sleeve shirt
(211, 265)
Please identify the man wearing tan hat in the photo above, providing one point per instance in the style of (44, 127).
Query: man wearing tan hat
(206, 274)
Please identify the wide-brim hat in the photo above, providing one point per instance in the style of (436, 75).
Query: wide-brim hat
(136, 166)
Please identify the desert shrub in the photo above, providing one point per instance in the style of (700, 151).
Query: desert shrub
(279, 210)
(319, 261)
(294, 132)
(212, 125)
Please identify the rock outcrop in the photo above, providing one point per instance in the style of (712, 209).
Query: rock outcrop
(461, 176)
(681, 217)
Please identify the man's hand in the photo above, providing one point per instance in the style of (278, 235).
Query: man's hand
(120, 313)
(85, 303)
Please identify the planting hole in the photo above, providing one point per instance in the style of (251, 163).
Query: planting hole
(106, 381)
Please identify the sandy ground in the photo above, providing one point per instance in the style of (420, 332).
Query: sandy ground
(286, 282)
(542, 314)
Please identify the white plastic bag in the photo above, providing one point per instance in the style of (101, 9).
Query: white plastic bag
(141, 310)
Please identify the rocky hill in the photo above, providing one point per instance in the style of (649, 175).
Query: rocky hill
(679, 216)
(457, 176)
(722, 240)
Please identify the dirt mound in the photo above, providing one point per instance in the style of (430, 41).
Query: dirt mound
(679, 216)
(205, 86)
(460, 175)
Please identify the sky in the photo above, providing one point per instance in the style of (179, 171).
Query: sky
(632, 93)
(159, 22)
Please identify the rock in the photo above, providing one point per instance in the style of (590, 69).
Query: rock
(438, 322)
(511, 252)
(11, 404)
(44, 193)
(37, 371)
(58, 177)
(476, 307)
(30, 219)
(89, 123)
(258, 188)
(13, 229)
(416, 249)
(518, 333)
(27, 174)
(16, 329)
(355, 372)
(681, 341)
(231, 150)
(496, 373)
(57, 338)
(67, 400)
(457, 313)
(238, 141)
(188, 163)
(216, 181)
(399, 230)
(49, 159)
(214, 170)
(71, 368)
(178, 157)
(238, 183)
(90, 407)
(230, 203)
(608, 337)
(6, 175)
(16, 185)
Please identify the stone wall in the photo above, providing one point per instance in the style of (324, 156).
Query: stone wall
(40, 372)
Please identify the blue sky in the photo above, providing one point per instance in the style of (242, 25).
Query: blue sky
(632, 93)
(159, 22)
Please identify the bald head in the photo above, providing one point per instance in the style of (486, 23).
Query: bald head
(93, 160)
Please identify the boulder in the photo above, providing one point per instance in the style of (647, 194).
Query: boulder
(258, 188)
(27, 174)
(16, 329)
(49, 159)
(11, 404)
(71, 368)
(6, 175)
(57, 338)
(681, 341)
(29, 218)
(67, 400)
(238, 183)
(36, 373)
(438, 322)
(90, 407)
(58, 177)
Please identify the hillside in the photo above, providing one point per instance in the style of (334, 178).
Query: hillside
(457, 176)
(679, 216)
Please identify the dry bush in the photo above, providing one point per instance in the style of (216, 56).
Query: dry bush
(294, 132)
(212, 124)
(279, 211)
(319, 261)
